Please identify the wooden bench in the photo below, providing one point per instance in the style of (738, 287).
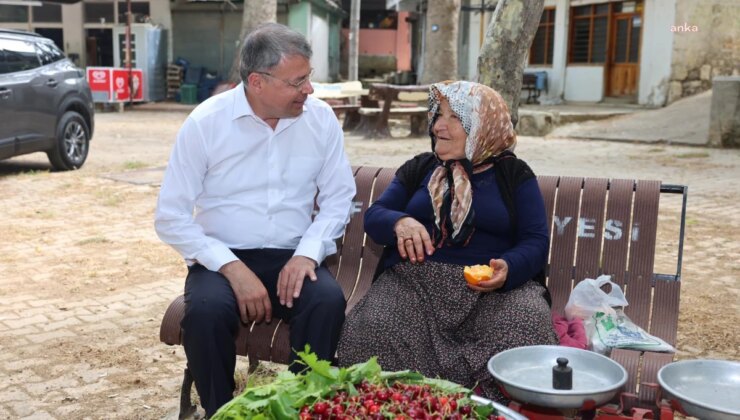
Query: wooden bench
(599, 226)
(397, 101)
(339, 96)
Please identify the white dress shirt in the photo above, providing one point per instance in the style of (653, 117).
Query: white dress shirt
(232, 182)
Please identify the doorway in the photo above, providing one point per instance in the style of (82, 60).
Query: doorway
(623, 68)
(99, 47)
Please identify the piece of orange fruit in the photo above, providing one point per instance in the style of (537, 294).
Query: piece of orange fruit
(475, 274)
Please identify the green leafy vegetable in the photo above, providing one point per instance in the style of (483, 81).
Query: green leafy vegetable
(289, 396)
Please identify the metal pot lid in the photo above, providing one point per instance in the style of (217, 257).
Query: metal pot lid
(530, 369)
(708, 389)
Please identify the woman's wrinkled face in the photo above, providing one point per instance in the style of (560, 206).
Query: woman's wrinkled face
(449, 132)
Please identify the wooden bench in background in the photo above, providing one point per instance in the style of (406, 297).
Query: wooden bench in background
(394, 101)
(338, 96)
(599, 226)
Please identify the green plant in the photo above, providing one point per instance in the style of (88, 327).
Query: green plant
(321, 387)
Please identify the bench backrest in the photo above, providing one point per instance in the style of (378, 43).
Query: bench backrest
(598, 227)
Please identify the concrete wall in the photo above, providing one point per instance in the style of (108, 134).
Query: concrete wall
(319, 39)
(584, 83)
(161, 15)
(706, 43)
(74, 34)
(724, 116)
(556, 72)
(656, 52)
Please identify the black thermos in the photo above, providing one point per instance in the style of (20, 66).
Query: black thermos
(562, 375)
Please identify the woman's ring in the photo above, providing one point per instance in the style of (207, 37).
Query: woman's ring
(408, 239)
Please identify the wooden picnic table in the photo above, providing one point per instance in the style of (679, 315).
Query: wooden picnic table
(397, 100)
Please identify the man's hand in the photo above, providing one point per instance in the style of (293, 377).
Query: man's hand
(500, 272)
(251, 295)
(413, 240)
(290, 280)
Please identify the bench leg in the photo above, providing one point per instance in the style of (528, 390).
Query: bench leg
(351, 120)
(253, 365)
(368, 127)
(186, 404)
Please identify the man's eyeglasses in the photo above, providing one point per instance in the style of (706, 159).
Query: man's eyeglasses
(297, 85)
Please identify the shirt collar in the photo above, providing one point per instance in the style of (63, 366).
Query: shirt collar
(242, 107)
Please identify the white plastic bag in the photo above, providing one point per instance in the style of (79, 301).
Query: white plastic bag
(618, 331)
(587, 298)
(605, 322)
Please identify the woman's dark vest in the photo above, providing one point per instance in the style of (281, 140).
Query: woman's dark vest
(510, 173)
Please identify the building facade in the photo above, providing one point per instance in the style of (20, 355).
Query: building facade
(649, 52)
(205, 33)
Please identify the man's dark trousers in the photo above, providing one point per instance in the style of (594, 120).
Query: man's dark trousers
(212, 320)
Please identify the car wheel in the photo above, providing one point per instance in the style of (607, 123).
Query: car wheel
(72, 142)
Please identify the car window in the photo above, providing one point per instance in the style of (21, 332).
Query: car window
(48, 53)
(17, 55)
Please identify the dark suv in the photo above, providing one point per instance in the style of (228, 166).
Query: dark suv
(45, 101)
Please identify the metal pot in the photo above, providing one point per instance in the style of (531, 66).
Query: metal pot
(525, 373)
(707, 389)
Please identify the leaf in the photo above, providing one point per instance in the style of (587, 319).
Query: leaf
(367, 370)
(402, 375)
(321, 367)
(483, 410)
(262, 391)
(281, 407)
(256, 405)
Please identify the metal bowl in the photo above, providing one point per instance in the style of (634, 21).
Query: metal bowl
(707, 389)
(525, 373)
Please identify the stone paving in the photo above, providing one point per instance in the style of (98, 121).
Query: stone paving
(84, 280)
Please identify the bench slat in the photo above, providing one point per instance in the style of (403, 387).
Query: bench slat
(354, 234)
(332, 261)
(395, 111)
(642, 251)
(664, 324)
(630, 361)
(616, 237)
(563, 240)
(651, 364)
(371, 252)
(170, 331)
(548, 187)
(593, 205)
(259, 342)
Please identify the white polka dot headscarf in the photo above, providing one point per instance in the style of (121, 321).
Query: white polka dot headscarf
(485, 118)
(483, 113)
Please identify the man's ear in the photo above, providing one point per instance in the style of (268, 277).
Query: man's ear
(255, 81)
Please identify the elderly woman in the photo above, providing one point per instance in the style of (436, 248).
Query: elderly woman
(470, 202)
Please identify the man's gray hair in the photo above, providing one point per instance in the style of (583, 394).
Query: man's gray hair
(267, 45)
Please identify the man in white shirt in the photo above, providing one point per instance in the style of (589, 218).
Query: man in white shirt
(236, 202)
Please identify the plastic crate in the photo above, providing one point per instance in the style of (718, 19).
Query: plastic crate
(189, 94)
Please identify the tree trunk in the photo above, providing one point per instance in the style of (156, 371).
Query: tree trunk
(508, 38)
(440, 51)
(354, 44)
(255, 13)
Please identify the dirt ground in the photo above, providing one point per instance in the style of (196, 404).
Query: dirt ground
(84, 280)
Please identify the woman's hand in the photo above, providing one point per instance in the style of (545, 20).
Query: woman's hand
(413, 239)
(500, 272)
